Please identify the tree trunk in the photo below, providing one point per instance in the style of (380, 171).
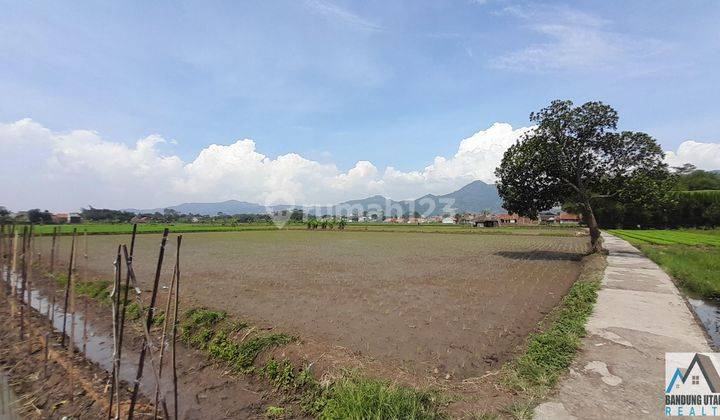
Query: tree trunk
(594, 229)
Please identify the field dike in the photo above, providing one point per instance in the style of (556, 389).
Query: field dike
(304, 386)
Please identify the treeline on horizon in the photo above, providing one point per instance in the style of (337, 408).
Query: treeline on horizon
(693, 203)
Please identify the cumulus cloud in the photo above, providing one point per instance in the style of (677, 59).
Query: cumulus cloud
(64, 171)
(703, 155)
(80, 168)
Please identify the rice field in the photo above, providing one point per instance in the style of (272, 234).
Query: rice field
(692, 237)
(437, 304)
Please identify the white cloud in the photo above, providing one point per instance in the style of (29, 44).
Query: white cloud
(80, 168)
(703, 155)
(575, 40)
(63, 171)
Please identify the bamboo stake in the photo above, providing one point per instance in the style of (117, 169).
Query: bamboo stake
(175, 325)
(124, 307)
(115, 385)
(46, 345)
(147, 340)
(13, 272)
(28, 274)
(73, 295)
(52, 251)
(86, 318)
(23, 268)
(67, 286)
(162, 338)
(8, 268)
(2, 249)
(85, 256)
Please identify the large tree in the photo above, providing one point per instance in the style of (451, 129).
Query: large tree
(576, 155)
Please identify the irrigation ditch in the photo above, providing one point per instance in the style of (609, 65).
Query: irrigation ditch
(80, 348)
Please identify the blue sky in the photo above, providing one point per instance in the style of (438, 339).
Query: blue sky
(337, 82)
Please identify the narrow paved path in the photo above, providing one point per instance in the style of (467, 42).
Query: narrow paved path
(620, 371)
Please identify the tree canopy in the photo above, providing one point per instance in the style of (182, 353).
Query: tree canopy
(576, 155)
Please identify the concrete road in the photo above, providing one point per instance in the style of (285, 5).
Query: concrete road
(620, 371)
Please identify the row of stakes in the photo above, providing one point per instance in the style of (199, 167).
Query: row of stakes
(17, 251)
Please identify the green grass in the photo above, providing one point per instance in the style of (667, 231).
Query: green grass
(692, 237)
(100, 290)
(210, 331)
(352, 397)
(359, 398)
(550, 352)
(126, 228)
(691, 256)
(696, 269)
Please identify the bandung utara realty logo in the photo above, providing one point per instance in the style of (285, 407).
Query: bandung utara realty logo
(692, 384)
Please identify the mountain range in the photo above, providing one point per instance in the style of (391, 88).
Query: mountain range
(474, 197)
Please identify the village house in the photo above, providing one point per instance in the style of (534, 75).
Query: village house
(568, 218)
(485, 220)
(72, 218)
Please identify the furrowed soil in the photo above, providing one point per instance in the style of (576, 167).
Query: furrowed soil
(434, 305)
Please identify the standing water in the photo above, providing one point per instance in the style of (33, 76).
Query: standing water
(99, 345)
(708, 311)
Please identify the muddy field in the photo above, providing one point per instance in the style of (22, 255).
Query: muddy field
(433, 304)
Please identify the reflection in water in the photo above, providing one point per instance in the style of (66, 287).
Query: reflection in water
(7, 400)
(709, 313)
(99, 345)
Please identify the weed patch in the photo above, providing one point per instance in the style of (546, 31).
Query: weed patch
(550, 353)
(355, 397)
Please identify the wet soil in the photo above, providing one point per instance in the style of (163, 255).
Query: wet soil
(206, 389)
(452, 307)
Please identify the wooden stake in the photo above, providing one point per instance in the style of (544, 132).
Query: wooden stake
(124, 305)
(148, 324)
(23, 268)
(86, 318)
(67, 286)
(162, 338)
(52, 250)
(175, 325)
(46, 344)
(115, 296)
(28, 274)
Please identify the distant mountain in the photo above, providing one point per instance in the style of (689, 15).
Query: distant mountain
(211, 209)
(474, 197)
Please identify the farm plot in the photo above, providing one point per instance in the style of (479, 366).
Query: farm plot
(436, 304)
(670, 237)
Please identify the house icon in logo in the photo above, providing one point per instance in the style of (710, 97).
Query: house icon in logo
(699, 377)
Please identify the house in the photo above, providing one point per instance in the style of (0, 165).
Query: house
(73, 218)
(485, 220)
(514, 219)
(566, 218)
(507, 219)
(58, 218)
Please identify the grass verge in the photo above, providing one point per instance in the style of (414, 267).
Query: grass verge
(550, 352)
(696, 269)
(351, 397)
(694, 262)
